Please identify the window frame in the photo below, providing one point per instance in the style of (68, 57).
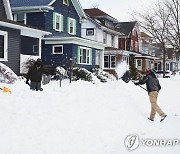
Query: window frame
(91, 30)
(87, 56)
(139, 67)
(73, 26)
(109, 61)
(5, 35)
(56, 53)
(61, 22)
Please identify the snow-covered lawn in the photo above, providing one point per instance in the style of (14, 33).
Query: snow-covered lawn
(85, 118)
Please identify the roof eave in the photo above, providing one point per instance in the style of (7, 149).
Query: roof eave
(32, 8)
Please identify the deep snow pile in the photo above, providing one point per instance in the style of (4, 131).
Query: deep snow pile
(85, 118)
(6, 74)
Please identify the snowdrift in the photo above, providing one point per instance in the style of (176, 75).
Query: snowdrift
(6, 74)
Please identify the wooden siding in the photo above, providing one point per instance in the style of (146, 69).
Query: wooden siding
(2, 10)
(36, 19)
(13, 49)
(69, 51)
(44, 20)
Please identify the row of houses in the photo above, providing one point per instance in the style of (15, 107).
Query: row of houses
(61, 31)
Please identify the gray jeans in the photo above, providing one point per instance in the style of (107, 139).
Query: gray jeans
(35, 86)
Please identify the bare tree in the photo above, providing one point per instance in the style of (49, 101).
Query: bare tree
(173, 26)
(163, 23)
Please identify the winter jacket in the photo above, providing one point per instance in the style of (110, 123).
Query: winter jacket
(35, 74)
(152, 83)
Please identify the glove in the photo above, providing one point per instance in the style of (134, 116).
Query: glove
(136, 83)
(27, 81)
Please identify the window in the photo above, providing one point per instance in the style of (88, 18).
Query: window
(104, 37)
(20, 17)
(89, 31)
(58, 49)
(35, 49)
(3, 46)
(112, 40)
(139, 64)
(106, 61)
(109, 61)
(84, 55)
(113, 61)
(57, 22)
(66, 2)
(72, 26)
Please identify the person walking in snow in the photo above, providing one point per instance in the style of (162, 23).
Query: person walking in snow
(153, 88)
(35, 75)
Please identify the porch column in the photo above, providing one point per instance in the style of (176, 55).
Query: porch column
(101, 59)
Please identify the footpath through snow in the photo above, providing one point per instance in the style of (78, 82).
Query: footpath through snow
(86, 118)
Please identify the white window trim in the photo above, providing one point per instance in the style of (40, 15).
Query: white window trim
(5, 34)
(60, 22)
(55, 53)
(86, 55)
(138, 67)
(110, 62)
(73, 20)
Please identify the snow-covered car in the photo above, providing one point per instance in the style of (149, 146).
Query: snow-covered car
(159, 74)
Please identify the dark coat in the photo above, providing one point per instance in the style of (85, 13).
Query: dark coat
(152, 83)
(35, 74)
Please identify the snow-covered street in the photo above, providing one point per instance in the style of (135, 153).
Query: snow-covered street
(85, 118)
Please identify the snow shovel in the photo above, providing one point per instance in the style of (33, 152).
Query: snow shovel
(128, 77)
(5, 90)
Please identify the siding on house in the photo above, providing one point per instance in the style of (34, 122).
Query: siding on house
(44, 20)
(69, 51)
(13, 49)
(2, 10)
(36, 19)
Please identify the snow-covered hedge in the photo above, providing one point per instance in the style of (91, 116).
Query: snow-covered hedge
(102, 75)
(83, 74)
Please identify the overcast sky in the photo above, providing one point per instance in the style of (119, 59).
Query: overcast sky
(119, 9)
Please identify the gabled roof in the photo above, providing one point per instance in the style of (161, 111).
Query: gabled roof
(8, 9)
(31, 4)
(125, 27)
(97, 13)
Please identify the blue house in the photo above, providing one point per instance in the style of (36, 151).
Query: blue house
(17, 41)
(63, 19)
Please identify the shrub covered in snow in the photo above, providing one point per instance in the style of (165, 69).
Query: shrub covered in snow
(60, 73)
(83, 74)
(6, 74)
(102, 75)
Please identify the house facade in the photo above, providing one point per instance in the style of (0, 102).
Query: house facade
(14, 39)
(100, 27)
(63, 18)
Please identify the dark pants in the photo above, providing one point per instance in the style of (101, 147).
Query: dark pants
(35, 86)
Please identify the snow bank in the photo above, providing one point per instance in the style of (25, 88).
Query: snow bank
(85, 118)
(6, 74)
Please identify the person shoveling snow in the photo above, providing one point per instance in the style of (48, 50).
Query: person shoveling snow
(153, 88)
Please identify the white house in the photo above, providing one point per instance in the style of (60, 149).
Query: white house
(100, 27)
